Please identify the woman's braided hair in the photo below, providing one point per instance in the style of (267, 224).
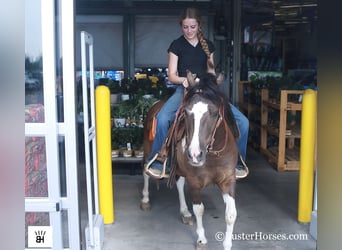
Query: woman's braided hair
(195, 14)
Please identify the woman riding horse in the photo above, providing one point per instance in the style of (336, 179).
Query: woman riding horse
(193, 52)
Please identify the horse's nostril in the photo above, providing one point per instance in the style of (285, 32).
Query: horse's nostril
(189, 154)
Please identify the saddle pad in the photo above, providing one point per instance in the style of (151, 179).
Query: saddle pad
(152, 130)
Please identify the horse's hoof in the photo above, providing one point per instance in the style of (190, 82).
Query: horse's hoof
(201, 246)
(187, 220)
(145, 206)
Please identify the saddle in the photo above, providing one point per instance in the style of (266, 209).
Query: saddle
(167, 154)
(175, 133)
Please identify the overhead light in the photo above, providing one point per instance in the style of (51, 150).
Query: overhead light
(291, 22)
(267, 24)
(298, 5)
(295, 22)
(294, 13)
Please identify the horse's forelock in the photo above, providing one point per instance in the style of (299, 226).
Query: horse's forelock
(208, 88)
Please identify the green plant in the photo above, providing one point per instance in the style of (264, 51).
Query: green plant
(121, 110)
(137, 137)
(143, 105)
(133, 107)
(114, 86)
(275, 84)
(121, 136)
(115, 144)
(136, 109)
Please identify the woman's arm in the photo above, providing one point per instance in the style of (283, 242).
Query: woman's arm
(173, 73)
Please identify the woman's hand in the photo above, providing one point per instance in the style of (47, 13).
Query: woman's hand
(185, 83)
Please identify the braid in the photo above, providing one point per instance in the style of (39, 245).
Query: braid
(205, 48)
(204, 43)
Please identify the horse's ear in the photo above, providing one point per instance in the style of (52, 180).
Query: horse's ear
(190, 77)
(220, 78)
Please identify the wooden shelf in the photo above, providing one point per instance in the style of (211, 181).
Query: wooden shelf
(291, 158)
(294, 132)
(127, 159)
(285, 156)
(289, 105)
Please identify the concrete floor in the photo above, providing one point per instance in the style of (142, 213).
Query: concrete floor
(266, 204)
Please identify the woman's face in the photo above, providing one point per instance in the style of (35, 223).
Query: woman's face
(190, 28)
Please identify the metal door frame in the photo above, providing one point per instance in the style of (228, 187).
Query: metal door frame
(51, 129)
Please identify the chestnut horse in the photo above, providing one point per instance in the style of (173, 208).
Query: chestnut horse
(204, 152)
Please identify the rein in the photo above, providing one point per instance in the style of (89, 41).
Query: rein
(218, 123)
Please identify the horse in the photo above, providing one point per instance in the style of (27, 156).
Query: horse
(204, 152)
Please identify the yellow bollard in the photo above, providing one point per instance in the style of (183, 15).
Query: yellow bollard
(307, 155)
(104, 154)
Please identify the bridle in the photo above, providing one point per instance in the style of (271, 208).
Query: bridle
(220, 119)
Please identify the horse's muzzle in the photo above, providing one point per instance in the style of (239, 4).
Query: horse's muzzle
(196, 159)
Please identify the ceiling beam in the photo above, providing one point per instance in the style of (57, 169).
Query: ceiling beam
(84, 7)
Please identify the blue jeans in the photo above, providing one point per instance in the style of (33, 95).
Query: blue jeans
(167, 114)
(243, 125)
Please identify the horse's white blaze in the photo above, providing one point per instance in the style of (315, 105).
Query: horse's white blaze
(230, 217)
(197, 110)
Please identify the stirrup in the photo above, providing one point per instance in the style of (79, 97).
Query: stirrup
(245, 166)
(163, 173)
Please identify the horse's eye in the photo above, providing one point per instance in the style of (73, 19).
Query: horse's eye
(187, 112)
(214, 114)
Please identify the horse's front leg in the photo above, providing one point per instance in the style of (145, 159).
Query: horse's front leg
(183, 208)
(230, 217)
(202, 242)
(145, 201)
(198, 208)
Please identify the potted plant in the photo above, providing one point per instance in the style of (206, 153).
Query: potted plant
(115, 149)
(115, 91)
(128, 115)
(126, 89)
(119, 113)
(137, 141)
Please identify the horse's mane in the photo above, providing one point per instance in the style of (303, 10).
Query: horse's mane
(208, 88)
